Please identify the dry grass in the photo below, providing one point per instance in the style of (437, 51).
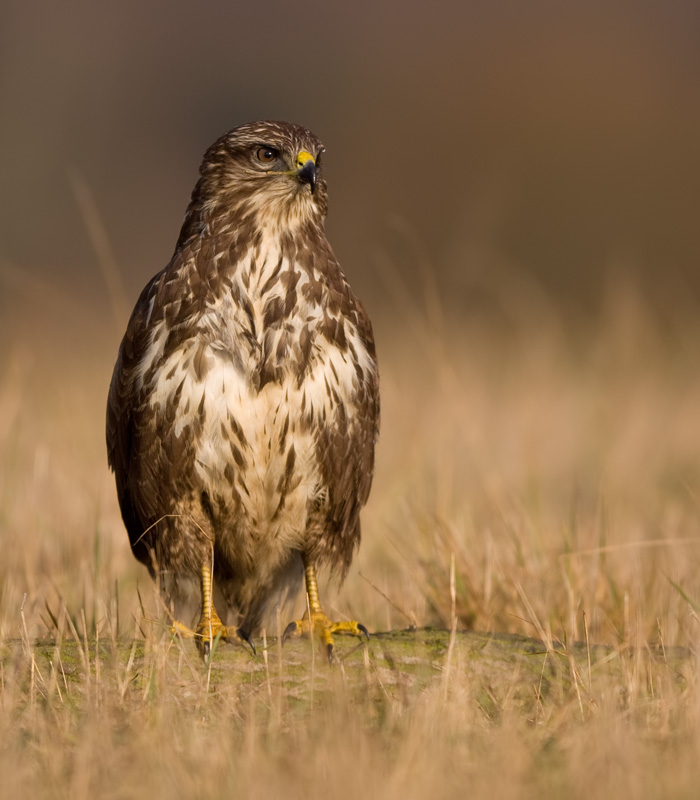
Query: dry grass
(559, 468)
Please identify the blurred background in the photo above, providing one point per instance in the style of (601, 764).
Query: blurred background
(514, 193)
(559, 139)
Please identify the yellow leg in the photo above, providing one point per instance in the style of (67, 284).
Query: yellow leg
(210, 625)
(316, 622)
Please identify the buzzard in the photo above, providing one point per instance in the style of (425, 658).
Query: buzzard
(244, 404)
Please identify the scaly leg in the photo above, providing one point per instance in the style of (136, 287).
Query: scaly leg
(317, 622)
(210, 625)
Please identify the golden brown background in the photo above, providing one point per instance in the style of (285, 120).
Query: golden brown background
(514, 193)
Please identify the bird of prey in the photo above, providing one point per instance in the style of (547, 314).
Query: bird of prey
(244, 405)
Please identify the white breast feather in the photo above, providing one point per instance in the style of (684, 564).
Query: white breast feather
(260, 414)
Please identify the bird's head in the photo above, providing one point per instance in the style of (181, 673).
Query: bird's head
(266, 173)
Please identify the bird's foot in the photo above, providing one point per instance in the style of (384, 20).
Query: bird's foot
(321, 627)
(209, 630)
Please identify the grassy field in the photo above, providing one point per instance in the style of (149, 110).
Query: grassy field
(535, 476)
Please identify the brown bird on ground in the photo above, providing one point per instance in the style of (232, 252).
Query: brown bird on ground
(244, 405)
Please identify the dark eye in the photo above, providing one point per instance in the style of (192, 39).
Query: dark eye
(266, 154)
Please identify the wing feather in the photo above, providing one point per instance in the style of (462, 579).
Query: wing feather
(123, 414)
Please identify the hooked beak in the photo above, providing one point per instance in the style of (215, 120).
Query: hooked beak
(306, 169)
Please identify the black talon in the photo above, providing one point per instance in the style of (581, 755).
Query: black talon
(244, 636)
(288, 631)
(206, 648)
(329, 652)
(363, 630)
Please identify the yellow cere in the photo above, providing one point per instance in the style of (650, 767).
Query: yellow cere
(303, 158)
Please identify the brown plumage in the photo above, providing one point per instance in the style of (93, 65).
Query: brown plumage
(244, 406)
